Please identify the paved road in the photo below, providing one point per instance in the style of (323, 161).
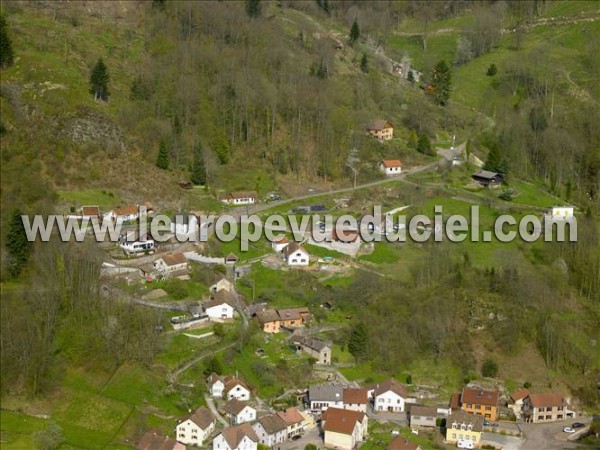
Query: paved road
(213, 409)
(548, 436)
(506, 442)
(312, 436)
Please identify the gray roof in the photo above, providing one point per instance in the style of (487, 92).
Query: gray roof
(419, 410)
(312, 343)
(272, 423)
(326, 393)
(486, 174)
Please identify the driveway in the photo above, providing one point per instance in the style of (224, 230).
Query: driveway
(311, 436)
(506, 442)
(548, 436)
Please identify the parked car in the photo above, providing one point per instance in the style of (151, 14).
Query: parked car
(296, 437)
(568, 430)
(465, 443)
(577, 425)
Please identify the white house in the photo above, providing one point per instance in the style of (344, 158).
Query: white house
(216, 385)
(239, 412)
(271, 430)
(323, 396)
(131, 243)
(389, 395)
(295, 422)
(234, 388)
(218, 309)
(241, 198)
(194, 429)
(344, 428)
(172, 263)
(356, 399)
(560, 212)
(241, 437)
(516, 401)
(184, 225)
(391, 166)
(280, 243)
(295, 255)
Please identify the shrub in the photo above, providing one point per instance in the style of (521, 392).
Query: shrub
(489, 368)
(176, 288)
(492, 70)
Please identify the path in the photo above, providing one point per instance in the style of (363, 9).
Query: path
(213, 409)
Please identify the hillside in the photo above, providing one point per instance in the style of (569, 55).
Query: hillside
(274, 96)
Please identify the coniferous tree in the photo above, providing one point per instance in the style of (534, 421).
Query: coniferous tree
(99, 81)
(354, 32)
(424, 145)
(364, 63)
(492, 70)
(140, 90)
(162, 161)
(253, 8)
(198, 172)
(6, 50)
(17, 244)
(441, 81)
(357, 344)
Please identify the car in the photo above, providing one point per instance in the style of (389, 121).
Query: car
(568, 430)
(577, 425)
(465, 443)
(296, 437)
(487, 423)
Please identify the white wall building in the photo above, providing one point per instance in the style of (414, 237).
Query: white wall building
(196, 427)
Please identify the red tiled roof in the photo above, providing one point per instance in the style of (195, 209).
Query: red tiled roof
(173, 259)
(455, 400)
(90, 210)
(547, 399)
(341, 421)
(344, 235)
(378, 125)
(291, 416)
(479, 396)
(126, 210)
(393, 385)
(153, 440)
(520, 394)
(235, 406)
(201, 417)
(401, 443)
(357, 396)
(391, 163)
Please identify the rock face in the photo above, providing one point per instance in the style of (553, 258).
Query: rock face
(154, 294)
(93, 127)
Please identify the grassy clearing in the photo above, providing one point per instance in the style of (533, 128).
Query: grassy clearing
(440, 46)
(104, 198)
(384, 253)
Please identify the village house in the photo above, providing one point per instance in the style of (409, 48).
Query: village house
(463, 426)
(381, 129)
(240, 437)
(480, 401)
(295, 255)
(153, 439)
(560, 212)
(401, 443)
(196, 427)
(515, 402)
(220, 306)
(184, 225)
(273, 320)
(172, 265)
(129, 213)
(279, 244)
(318, 349)
(241, 198)
(389, 395)
(356, 399)
(228, 386)
(391, 166)
(295, 422)
(269, 320)
(222, 285)
(239, 412)
(132, 243)
(488, 179)
(422, 416)
(323, 396)
(271, 430)
(344, 428)
(547, 407)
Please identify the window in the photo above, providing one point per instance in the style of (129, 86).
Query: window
(463, 426)
(549, 408)
(477, 406)
(540, 418)
(454, 425)
(469, 405)
(488, 408)
(453, 435)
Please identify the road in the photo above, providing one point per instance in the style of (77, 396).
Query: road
(312, 436)
(548, 436)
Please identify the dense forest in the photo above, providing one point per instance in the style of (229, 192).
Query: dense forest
(238, 94)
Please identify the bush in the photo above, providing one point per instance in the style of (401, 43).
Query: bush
(49, 439)
(492, 70)
(527, 385)
(176, 288)
(409, 379)
(310, 447)
(489, 368)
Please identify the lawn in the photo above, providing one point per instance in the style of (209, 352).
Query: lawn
(440, 46)
(384, 253)
(533, 194)
(104, 198)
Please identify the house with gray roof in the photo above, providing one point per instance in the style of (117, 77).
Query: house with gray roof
(323, 396)
(318, 349)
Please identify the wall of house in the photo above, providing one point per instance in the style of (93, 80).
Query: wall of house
(489, 412)
(217, 389)
(189, 433)
(453, 435)
(238, 392)
(387, 400)
(338, 440)
(422, 421)
(220, 311)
